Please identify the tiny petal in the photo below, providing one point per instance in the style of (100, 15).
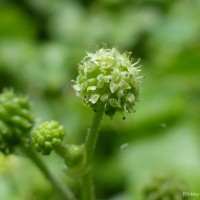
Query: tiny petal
(99, 77)
(107, 78)
(120, 93)
(123, 84)
(113, 87)
(114, 103)
(91, 88)
(100, 83)
(131, 97)
(94, 98)
(104, 97)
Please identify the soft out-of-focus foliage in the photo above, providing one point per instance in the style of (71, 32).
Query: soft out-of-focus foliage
(41, 43)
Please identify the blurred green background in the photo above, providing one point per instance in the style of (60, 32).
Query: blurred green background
(41, 44)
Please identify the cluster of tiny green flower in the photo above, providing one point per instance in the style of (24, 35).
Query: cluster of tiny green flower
(165, 187)
(16, 120)
(48, 136)
(110, 78)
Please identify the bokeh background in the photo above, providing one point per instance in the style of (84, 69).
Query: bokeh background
(41, 44)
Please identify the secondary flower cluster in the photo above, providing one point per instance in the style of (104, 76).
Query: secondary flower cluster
(48, 136)
(165, 187)
(16, 120)
(110, 78)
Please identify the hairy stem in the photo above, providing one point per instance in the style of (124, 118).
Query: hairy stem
(61, 189)
(90, 144)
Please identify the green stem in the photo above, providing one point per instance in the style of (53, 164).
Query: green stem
(90, 144)
(92, 135)
(87, 187)
(64, 191)
(61, 151)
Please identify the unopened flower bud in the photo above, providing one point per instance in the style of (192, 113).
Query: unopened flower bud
(48, 136)
(16, 120)
(75, 157)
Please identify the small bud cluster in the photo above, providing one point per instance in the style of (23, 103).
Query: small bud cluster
(16, 120)
(165, 187)
(109, 78)
(48, 136)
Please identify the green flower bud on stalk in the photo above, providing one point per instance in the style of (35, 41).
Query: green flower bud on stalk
(48, 136)
(75, 157)
(16, 121)
(165, 188)
(110, 78)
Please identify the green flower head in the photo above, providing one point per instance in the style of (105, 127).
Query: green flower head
(165, 187)
(16, 120)
(48, 136)
(110, 78)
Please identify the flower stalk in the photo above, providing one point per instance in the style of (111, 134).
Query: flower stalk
(92, 134)
(63, 190)
(90, 144)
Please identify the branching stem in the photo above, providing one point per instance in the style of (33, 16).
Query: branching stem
(62, 190)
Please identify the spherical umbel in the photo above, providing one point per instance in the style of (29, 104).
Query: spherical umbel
(110, 78)
(48, 136)
(16, 120)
